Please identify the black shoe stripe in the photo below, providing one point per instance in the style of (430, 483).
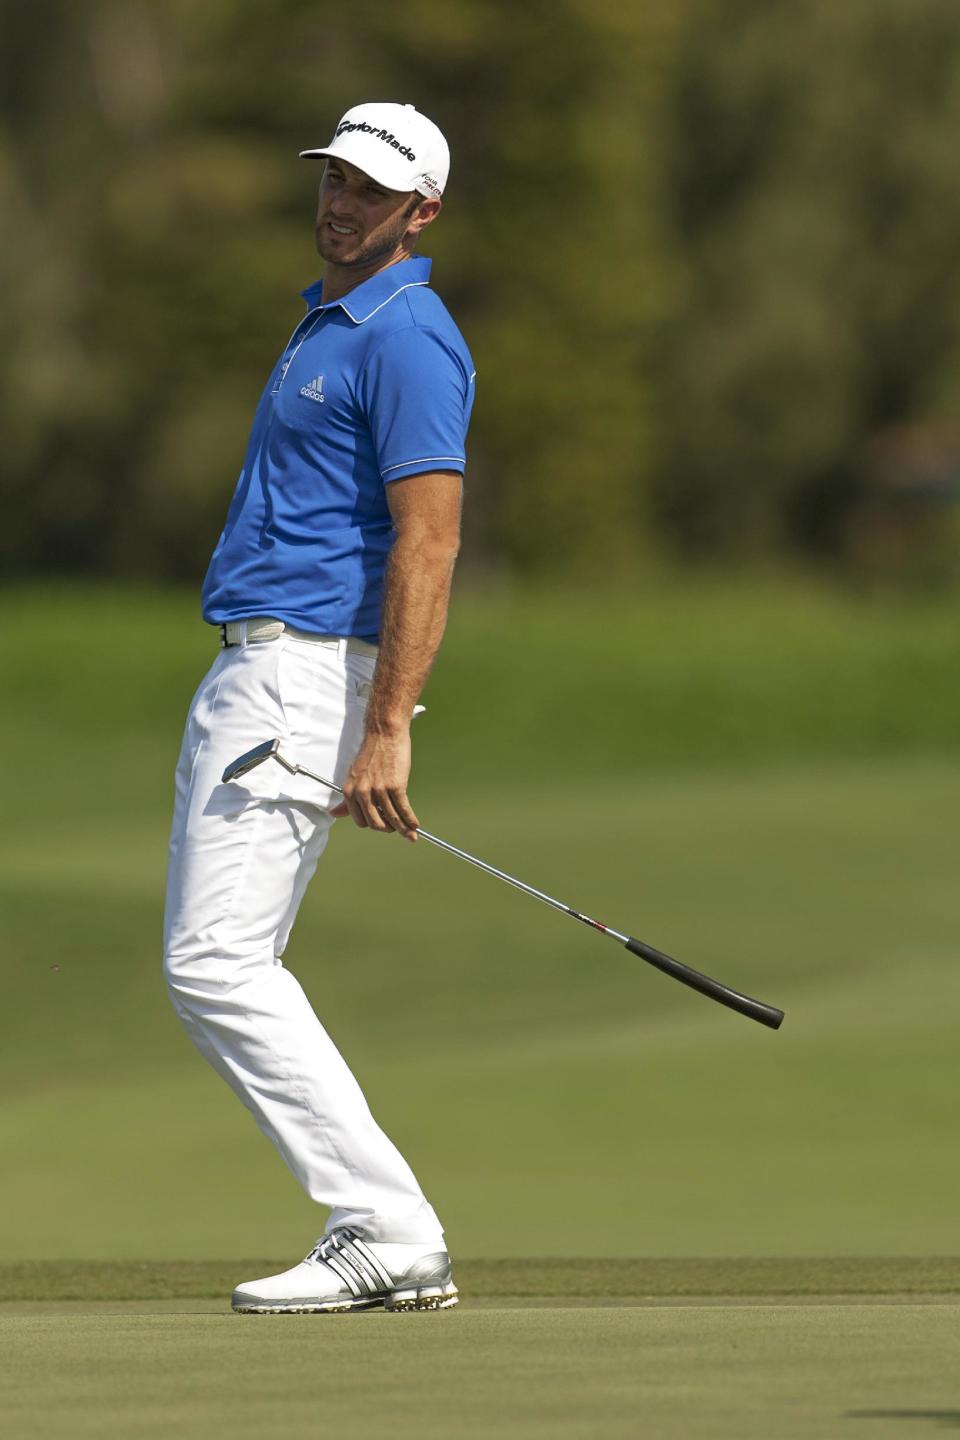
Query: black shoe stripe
(334, 1263)
(386, 1279)
(349, 1255)
(348, 1244)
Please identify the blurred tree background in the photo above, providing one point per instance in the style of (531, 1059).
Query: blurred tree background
(704, 254)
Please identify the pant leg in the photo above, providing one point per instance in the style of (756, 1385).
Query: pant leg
(241, 855)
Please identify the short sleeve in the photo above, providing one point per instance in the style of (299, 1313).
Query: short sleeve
(418, 396)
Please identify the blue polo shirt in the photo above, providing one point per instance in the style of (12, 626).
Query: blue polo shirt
(369, 389)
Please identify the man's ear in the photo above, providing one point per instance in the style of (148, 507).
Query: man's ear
(425, 213)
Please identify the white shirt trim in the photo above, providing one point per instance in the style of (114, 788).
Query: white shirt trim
(424, 460)
(359, 319)
(318, 310)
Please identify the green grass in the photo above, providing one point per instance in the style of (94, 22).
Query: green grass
(556, 1092)
(763, 781)
(756, 782)
(736, 1372)
(536, 684)
(633, 1280)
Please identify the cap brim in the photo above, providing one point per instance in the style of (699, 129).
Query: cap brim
(380, 173)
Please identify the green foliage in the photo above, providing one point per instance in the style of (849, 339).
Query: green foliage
(703, 255)
(151, 169)
(811, 197)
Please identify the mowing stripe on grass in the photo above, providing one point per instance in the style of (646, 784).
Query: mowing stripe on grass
(547, 1279)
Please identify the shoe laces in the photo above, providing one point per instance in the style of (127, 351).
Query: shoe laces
(328, 1244)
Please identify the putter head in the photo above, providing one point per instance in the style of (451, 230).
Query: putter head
(250, 760)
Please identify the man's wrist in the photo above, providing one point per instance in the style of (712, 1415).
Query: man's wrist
(387, 726)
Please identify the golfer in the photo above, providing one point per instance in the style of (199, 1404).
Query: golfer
(329, 585)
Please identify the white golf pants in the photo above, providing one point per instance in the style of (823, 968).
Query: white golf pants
(241, 856)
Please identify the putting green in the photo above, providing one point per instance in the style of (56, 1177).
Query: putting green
(733, 1368)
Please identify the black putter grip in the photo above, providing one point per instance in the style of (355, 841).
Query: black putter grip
(753, 1009)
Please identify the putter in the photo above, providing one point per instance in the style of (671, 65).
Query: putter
(764, 1014)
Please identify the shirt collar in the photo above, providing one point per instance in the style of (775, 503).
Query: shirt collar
(376, 292)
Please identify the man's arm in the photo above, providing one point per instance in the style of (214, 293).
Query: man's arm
(426, 515)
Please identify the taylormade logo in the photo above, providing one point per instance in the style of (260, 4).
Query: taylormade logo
(346, 126)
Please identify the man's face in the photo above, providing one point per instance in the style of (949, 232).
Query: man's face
(358, 220)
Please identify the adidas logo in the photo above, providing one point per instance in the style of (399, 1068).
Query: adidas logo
(314, 391)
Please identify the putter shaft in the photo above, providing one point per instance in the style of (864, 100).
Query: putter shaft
(757, 1010)
(295, 769)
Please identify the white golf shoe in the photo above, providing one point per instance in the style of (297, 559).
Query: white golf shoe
(344, 1272)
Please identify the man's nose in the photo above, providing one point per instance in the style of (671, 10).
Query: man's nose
(340, 204)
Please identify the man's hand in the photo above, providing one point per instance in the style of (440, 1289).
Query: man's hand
(375, 791)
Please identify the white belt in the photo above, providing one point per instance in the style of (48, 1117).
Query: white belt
(262, 628)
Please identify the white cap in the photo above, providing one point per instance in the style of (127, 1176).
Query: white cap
(393, 144)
